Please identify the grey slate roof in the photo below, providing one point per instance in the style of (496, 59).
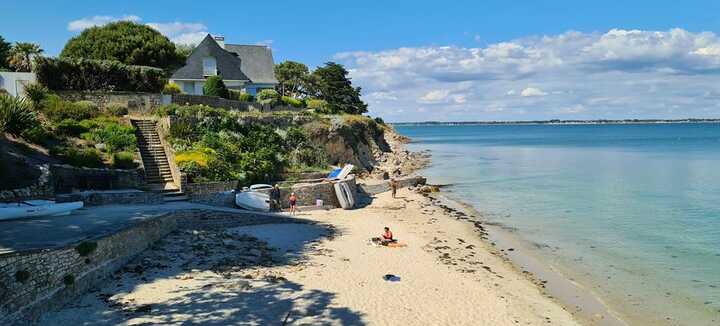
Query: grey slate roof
(256, 62)
(235, 62)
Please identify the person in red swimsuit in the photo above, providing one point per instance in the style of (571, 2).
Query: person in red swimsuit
(293, 203)
(387, 236)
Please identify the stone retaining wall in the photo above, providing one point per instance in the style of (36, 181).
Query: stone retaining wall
(113, 197)
(211, 193)
(66, 178)
(43, 188)
(219, 102)
(36, 281)
(142, 103)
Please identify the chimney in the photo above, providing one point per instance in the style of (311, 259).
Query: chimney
(220, 41)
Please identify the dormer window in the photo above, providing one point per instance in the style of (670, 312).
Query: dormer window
(209, 66)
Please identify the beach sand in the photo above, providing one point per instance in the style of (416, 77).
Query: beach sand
(325, 272)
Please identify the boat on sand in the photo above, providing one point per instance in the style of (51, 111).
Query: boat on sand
(37, 208)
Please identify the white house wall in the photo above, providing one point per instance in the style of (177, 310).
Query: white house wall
(14, 82)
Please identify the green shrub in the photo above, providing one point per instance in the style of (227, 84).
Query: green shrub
(116, 110)
(319, 106)
(246, 97)
(86, 248)
(114, 135)
(56, 109)
(268, 96)
(166, 110)
(69, 127)
(84, 158)
(124, 160)
(16, 115)
(38, 134)
(171, 88)
(36, 92)
(296, 103)
(86, 106)
(214, 86)
(84, 74)
(22, 276)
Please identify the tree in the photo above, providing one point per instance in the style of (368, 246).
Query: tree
(4, 53)
(22, 56)
(330, 83)
(291, 76)
(126, 42)
(214, 86)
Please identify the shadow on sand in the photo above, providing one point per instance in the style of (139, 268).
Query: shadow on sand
(228, 277)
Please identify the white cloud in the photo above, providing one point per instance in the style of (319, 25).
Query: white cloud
(178, 32)
(182, 33)
(532, 91)
(435, 96)
(87, 22)
(601, 75)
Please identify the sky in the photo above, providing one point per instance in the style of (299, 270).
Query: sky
(453, 60)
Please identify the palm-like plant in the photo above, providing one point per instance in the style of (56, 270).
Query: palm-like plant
(16, 115)
(23, 54)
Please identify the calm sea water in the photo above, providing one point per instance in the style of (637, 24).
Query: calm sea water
(633, 211)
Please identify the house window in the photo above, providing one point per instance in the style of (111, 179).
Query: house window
(209, 66)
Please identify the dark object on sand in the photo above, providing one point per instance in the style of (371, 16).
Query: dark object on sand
(391, 278)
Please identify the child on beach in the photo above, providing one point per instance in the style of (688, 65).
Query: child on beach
(393, 187)
(293, 203)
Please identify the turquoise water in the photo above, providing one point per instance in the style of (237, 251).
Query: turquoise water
(632, 211)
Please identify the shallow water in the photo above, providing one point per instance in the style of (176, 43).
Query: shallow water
(633, 211)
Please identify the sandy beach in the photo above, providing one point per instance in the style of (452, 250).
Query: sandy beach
(325, 272)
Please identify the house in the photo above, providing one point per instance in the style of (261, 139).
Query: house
(14, 82)
(248, 68)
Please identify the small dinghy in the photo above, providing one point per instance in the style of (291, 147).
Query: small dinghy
(254, 200)
(344, 195)
(341, 174)
(37, 208)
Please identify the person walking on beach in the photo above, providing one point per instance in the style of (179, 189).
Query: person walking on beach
(293, 203)
(393, 187)
(275, 198)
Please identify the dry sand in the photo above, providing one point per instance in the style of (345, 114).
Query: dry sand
(324, 273)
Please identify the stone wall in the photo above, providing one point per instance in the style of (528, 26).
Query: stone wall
(66, 179)
(308, 193)
(211, 193)
(36, 281)
(112, 197)
(140, 103)
(219, 102)
(41, 189)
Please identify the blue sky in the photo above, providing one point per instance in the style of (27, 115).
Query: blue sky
(455, 60)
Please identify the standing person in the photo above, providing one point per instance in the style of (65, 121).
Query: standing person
(293, 203)
(393, 187)
(275, 198)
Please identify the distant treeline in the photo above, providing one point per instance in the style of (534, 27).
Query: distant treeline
(556, 122)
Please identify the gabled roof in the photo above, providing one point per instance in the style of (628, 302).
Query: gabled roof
(235, 62)
(256, 62)
(228, 64)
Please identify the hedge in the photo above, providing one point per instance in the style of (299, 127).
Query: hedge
(97, 75)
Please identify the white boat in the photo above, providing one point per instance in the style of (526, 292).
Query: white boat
(37, 208)
(253, 200)
(341, 174)
(344, 195)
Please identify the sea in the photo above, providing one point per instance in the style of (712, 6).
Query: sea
(631, 211)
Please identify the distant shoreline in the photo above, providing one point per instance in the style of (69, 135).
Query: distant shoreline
(557, 122)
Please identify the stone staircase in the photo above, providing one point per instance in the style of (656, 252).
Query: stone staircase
(158, 175)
